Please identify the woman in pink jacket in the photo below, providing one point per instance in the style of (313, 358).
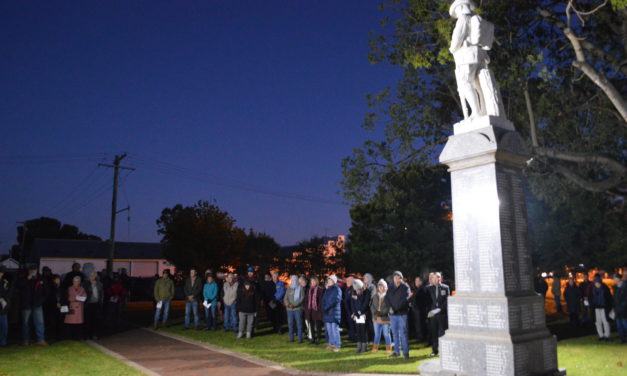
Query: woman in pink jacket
(76, 302)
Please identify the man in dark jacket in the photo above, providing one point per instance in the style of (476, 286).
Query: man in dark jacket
(601, 302)
(76, 271)
(346, 308)
(438, 299)
(620, 306)
(418, 304)
(192, 290)
(397, 298)
(5, 298)
(33, 293)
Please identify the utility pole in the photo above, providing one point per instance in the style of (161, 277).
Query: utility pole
(22, 255)
(114, 207)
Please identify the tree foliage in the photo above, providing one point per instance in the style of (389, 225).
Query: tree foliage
(45, 228)
(316, 256)
(261, 250)
(406, 225)
(579, 139)
(201, 236)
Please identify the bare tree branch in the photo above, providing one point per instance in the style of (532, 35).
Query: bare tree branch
(593, 186)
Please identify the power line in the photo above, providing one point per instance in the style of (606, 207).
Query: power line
(73, 191)
(171, 169)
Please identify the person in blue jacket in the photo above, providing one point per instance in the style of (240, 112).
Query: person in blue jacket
(210, 297)
(332, 313)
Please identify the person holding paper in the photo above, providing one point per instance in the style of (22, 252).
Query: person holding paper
(164, 293)
(4, 307)
(293, 301)
(360, 302)
(210, 295)
(438, 299)
(76, 297)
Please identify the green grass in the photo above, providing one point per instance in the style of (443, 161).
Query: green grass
(60, 358)
(581, 356)
(587, 356)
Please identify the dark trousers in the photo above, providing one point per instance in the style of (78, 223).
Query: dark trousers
(361, 333)
(54, 324)
(276, 316)
(436, 327)
(316, 330)
(93, 316)
(350, 325)
(74, 331)
(420, 324)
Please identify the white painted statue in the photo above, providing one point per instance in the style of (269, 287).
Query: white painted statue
(472, 38)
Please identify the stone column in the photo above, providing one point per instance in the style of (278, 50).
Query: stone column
(496, 320)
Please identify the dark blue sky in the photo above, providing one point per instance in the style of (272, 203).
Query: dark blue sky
(264, 95)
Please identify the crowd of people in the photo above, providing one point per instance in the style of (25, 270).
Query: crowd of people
(366, 308)
(84, 304)
(80, 305)
(590, 300)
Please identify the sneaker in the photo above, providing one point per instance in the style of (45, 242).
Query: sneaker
(433, 355)
(239, 335)
(249, 335)
(328, 347)
(406, 356)
(393, 355)
(42, 343)
(336, 349)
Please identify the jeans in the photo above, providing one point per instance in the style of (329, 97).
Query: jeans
(230, 317)
(295, 318)
(621, 325)
(399, 328)
(4, 330)
(382, 328)
(333, 334)
(189, 308)
(37, 315)
(210, 316)
(165, 308)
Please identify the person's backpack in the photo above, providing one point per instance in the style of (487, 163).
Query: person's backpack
(481, 32)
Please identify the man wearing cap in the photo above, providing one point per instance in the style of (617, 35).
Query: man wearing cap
(33, 292)
(397, 298)
(5, 293)
(471, 39)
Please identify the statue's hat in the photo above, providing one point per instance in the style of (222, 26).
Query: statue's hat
(457, 3)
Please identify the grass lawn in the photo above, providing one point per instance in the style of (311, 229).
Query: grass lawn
(60, 358)
(581, 356)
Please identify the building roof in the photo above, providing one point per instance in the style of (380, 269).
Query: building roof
(94, 249)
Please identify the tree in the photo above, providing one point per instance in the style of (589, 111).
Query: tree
(562, 93)
(317, 256)
(576, 128)
(201, 236)
(45, 228)
(406, 225)
(261, 250)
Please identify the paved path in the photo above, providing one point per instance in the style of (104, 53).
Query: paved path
(161, 355)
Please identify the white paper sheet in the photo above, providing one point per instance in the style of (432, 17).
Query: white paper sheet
(81, 298)
(360, 319)
(65, 309)
(159, 304)
(206, 304)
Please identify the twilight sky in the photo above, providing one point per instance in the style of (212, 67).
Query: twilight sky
(251, 103)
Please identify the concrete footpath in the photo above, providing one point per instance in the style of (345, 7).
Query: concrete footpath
(162, 354)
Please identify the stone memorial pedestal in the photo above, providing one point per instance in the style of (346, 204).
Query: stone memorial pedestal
(496, 320)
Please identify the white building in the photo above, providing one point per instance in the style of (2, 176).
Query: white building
(139, 259)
